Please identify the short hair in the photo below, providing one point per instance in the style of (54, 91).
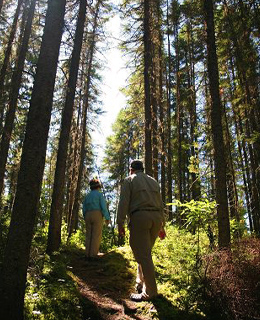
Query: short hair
(94, 184)
(137, 165)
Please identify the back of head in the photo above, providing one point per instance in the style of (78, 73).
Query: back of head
(94, 184)
(137, 165)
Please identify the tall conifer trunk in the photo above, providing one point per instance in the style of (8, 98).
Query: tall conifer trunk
(147, 86)
(13, 98)
(75, 210)
(169, 136)
(17, 251)
(7, 55)
(1, 5)
(217, 130)
(54, 236)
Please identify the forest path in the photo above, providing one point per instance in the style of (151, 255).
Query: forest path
(104, 285)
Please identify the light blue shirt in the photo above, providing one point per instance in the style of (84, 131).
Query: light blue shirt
(95, 200)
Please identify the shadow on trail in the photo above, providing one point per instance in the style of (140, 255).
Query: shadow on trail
(103, 285)
(167, 311)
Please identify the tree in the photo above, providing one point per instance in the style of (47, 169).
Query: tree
(147, 39)
(1, 5)
(73, 218)
(216, 128)
(54, 237)
(7, 58)
(17, 251)
(13, 96)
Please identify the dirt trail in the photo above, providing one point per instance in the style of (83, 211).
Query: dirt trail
(105, 285)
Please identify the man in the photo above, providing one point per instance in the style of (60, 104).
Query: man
(94, 209)
(141, 202)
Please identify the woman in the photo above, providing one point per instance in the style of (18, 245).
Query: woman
(94, 209)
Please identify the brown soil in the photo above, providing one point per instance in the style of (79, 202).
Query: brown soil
(105, 289)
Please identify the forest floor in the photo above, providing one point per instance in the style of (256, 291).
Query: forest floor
(104, 286)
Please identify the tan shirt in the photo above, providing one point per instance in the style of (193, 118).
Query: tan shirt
(139, 192)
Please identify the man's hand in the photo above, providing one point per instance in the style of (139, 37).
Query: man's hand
(107, 222)
(121, 230)
(162, 233)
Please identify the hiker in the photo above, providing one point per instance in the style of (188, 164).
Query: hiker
(94, 209)
(141, 202)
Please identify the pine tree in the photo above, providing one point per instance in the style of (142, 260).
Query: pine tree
(216, 127)
(17, 251)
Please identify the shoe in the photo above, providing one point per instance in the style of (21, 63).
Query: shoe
(139, 287)
(137, 297)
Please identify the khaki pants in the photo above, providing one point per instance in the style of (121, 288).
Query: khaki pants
(144, 229)
(94, 226)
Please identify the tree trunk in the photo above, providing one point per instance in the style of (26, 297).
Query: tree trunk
(147, 87)
(1, 5)
(15, 86)
(255, 191)
(178, 124)
(7, 58)
(27, 196)
(244, 169)
(217, 131)
(73, 169)
(231, 179)
(155, 80)
(54, 236)
(169, 136)
(248, 78)
(163, 123)
(195, 186)
(74, 214)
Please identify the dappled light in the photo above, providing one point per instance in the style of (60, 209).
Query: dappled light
(129, 160)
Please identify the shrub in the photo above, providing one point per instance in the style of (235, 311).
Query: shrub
(233, 280)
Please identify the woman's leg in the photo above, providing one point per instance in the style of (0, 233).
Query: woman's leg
(97, 226)
(88, 234)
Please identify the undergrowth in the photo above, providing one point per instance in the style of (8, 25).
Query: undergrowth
(51, 292)
(233, 280)
(194, 282)
(177, 261)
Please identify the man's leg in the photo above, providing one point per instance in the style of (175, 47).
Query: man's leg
(141, 242)
(139, 279)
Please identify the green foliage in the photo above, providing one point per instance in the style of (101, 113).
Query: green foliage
(178, 268)
(77, 239)
(179, 276)
(108, 239)
(194, 165)
(52, 294)
(238, 228)
(197, 214)
(52, 286)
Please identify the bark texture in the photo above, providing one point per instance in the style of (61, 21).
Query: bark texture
(17, 251)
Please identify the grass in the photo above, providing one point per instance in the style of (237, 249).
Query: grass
(177, 266)
(191, 279)
(52, 294)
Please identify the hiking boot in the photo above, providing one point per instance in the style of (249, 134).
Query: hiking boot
(137, 297)
(139, 287)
